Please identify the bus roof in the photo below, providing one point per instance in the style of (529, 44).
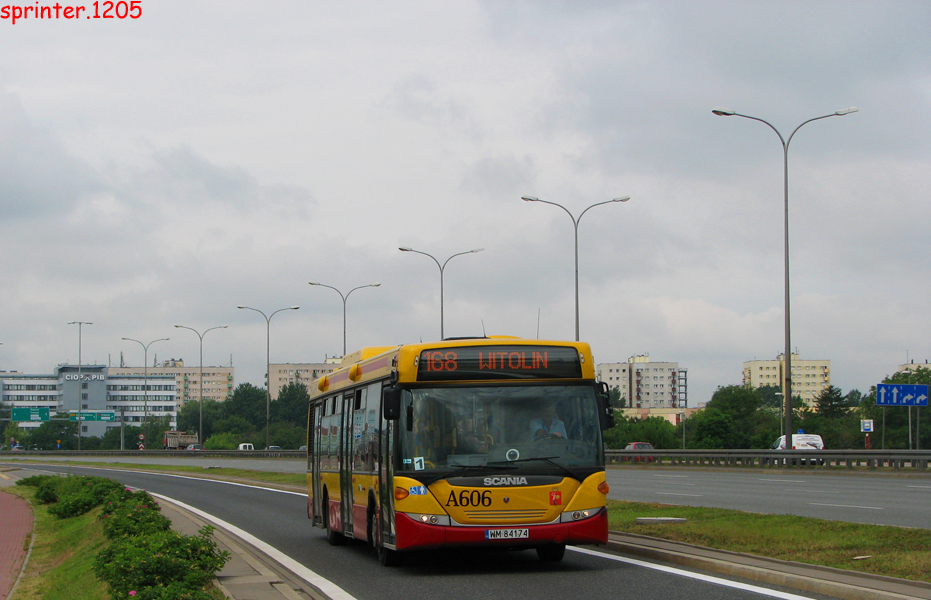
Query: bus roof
(495, 358)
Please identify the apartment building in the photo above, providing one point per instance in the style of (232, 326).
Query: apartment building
(647, 384)
(809, 377)
(218, 382)
(284, 373)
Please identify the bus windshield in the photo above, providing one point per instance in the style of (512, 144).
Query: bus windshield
(540, 427)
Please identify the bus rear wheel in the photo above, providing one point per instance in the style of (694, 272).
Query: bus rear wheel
(551, 553)
(334, 537)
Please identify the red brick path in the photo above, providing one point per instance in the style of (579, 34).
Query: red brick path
(15, 530)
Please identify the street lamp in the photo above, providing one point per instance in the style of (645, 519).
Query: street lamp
(80, 324)
(145, 379)
(268, 368)
(787, 375)
(200, 375)
(346, 297)
(442, 268)
(682, 414)
(575, 225)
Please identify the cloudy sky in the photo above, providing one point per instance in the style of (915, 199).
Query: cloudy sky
(165, 170)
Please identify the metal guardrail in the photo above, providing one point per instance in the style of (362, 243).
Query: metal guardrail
(164, 453)
(919, 460)
(870, 459)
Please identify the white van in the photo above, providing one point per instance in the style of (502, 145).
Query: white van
(246, 447)
(800, 441)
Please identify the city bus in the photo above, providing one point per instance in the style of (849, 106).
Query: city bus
(468, 442)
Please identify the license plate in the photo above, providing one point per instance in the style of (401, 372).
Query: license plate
(506, 534)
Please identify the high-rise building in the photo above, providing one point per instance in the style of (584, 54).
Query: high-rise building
(218, 382)
(809, 377)
(647, 384)
(284, 373)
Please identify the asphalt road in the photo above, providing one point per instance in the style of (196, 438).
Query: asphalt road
(882, 498)
(876, 498)
(279, 519)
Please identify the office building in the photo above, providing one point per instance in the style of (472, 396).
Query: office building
(92, 388)
(218, 382)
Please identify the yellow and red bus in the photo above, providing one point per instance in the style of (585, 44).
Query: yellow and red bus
(493, 442)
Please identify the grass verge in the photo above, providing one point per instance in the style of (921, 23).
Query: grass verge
(892, 551)
(60, 566)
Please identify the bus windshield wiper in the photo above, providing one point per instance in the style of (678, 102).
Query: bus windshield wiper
(548, 459)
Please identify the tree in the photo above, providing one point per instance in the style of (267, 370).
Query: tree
(615, 398)
(291, 405)
(222, 441)
(713, 429)
(189, 416)
(831, 403)
(247, 402)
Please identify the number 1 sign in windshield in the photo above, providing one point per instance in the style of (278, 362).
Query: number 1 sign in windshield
(900, 394)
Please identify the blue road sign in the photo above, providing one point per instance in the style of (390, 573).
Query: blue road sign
(900, 394)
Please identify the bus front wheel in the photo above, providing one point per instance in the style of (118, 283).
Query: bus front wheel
(551, 553)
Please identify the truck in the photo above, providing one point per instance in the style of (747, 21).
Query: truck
(179, 440)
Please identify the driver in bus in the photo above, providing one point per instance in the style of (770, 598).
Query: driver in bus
(547, 425)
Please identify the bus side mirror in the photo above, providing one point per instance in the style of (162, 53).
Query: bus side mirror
(605, 411)
(391, 403)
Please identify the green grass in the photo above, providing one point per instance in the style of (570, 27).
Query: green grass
(60, 566)
(892, 551)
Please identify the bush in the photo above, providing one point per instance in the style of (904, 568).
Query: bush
(74, 495)
(127, 513)
(151, 565)
(35, 480)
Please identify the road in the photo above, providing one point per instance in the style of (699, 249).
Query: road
(882, 498)
(279, 519)
(876, 498)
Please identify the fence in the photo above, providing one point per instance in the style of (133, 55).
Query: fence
(870, 459)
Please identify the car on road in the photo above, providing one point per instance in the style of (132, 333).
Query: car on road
(18, 448)
(303, 448)
(273, 448)
(195, 447)
(800, 441)
(639, 446)
(246, 447)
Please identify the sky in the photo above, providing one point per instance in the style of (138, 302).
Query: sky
(164, 170)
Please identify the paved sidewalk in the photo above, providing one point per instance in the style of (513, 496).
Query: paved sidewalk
(15, 535)
(248, 575)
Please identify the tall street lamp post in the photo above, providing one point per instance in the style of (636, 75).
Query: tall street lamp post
(442, 269)
(682, 417)
(575, 225)
(787, 375)
(346, 297)
(145, 380)
(200, 375)
(80, 324)
(268, 362)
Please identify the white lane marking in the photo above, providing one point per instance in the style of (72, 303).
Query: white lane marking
(675, 494)
(847, 506)
(672, 476)
(785, 480)
(690, 575)
(919, 487)
(324, 585)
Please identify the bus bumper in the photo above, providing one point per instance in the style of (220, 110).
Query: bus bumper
(413, 535)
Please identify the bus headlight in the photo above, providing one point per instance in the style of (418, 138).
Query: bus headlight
(428, 519)
(578, 515)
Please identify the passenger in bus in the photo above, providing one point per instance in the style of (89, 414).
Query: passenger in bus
(467, 439)
(547, 425)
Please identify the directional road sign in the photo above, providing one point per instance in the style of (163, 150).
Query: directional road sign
(900, 394)
(91, 415)
(30, 413)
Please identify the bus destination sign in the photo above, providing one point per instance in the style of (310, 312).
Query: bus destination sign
(470, 363)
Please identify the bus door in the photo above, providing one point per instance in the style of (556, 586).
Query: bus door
(313, 458)
(386, 476)
(345, 464)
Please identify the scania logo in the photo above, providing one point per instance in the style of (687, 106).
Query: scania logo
(505, 481)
